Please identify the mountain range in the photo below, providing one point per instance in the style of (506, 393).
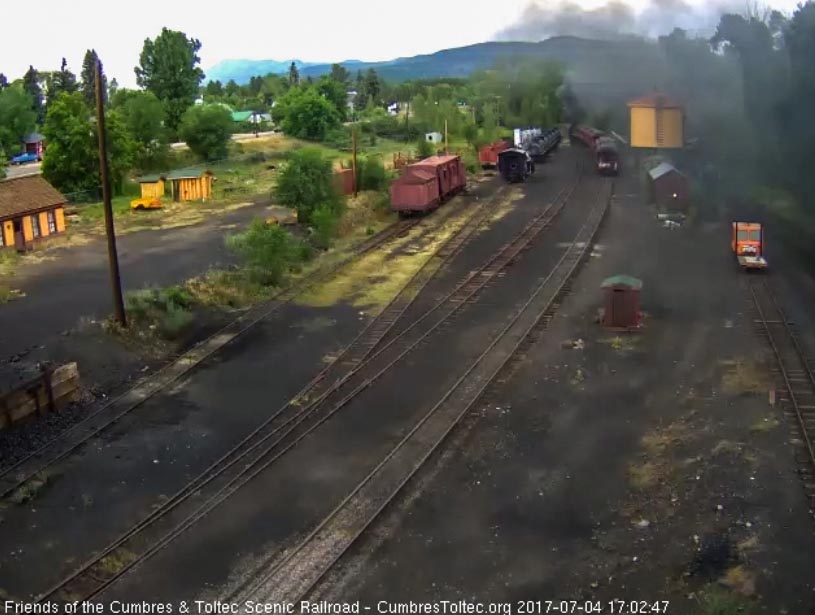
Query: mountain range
(585, 60)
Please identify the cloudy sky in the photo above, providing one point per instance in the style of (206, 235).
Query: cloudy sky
(311, 30)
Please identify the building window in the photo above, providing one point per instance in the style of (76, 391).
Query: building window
(52, 222)
(35, 225)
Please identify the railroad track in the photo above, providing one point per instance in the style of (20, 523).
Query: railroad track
(347, 376)
(296, 574)
(793, 368)
(53, 451)
(95, 574)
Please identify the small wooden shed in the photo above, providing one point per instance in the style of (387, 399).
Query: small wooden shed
(622, 302)
(192, 184)
(668, 187)
(152, 186)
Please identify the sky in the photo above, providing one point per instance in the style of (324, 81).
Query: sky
(310, 30)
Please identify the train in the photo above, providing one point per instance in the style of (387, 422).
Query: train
(488, 154)
(542, 144)
(602, 145)
(426, 184)
(515, 164)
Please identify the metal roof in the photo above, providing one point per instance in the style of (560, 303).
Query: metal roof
(150, 179)
(241, 116)
(190, 173)
(34, 137)
(622, 280)
(663, 169)
(654, 99)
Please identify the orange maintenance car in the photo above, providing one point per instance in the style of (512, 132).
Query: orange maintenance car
(747, 243)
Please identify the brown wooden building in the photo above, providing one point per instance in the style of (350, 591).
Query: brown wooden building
(190, 184)
(668, 187)
(30, 209)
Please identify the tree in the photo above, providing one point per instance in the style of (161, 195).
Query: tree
(373, 87)
(340, 74)
(143, 114)
(3, 163)
(361, 100)
(306, 183)
(302, 112)
(31, 84)
(71, 161)
(17, 117)
(113, 88)
(61, 81)
(214, 89)
(207, 129)
(334, 92)
(168, 67)
(3, 82)
(88, 87)
(294, 75)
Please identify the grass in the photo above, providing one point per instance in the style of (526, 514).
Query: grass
(164, 311)
(766, 424)
(716, 601)
(227, 289)
(31, 488)
(745, 376)
(116, 561)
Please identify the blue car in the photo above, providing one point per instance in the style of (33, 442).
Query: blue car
(24, 158)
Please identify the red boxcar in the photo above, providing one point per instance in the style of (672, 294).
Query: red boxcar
(488, 155)
(426, 184)
(344, 181)
(587, 135)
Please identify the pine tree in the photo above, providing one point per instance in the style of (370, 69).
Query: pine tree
(294, 75)
(31, 84)
(89, 78)
(3, 82)
(113, 88)
(62, 81)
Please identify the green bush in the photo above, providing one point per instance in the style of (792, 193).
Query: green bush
(424, 148)
(306, 182)
(166, 310)
(207, 130)
(324, 221)
(372, 173)
(270, 252)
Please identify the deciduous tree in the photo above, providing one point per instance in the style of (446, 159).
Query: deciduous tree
(306, 183)
(207, 129)
(143, 114)
(17, 118)
(302, 112)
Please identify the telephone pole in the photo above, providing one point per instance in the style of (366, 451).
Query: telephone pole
(104, 174)
(354, 155)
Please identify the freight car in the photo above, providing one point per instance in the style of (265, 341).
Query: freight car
(515, 164)
(488, 155)
(586, 135)
(607, 156)
(426, 184)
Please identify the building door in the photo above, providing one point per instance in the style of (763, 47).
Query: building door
(619, 317)
(19, 238)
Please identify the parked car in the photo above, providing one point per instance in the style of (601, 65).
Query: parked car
(24, 158)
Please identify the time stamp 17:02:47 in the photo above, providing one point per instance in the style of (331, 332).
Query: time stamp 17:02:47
(638, 607)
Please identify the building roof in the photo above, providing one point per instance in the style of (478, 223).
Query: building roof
(150, 179)
(25, 194)
(416, 176)
(655, 99)
(189, 173)
(434, 161)
(663, 169)
(622, 280)
(34, 137)
(241, 116)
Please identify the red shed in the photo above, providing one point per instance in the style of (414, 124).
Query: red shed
(488, 154)
(344, 181)
(622, 298)
(416, 190)
(668, 187)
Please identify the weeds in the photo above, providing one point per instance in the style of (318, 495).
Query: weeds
(167, 311)
(719, 602)
(29, 489)
(270, 252)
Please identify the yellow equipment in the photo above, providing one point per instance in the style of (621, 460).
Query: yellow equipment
(747, 243)
(145, 203)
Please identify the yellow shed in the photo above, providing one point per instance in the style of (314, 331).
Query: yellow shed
(152, 186)
(191, 184)
(656, 122)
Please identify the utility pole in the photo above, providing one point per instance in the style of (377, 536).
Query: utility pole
(446, 151)
(113, 258)
(354, 155)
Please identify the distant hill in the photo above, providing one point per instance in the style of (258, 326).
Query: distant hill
(585, 60)
(243, 70)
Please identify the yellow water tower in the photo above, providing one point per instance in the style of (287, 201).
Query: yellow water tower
(656, 122)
